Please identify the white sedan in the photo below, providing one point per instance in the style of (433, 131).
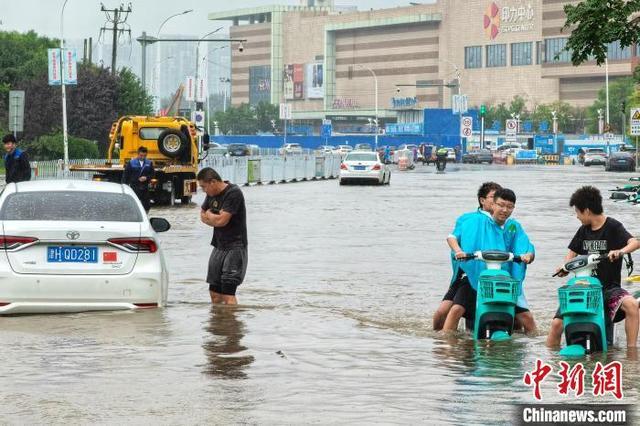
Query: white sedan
(362, 166)
(74, 246)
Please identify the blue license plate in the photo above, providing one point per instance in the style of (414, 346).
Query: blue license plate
(72, 254)
(359, 167)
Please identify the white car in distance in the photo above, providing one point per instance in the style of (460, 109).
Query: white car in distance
(343, 149)
(74, 246)
(364, 167)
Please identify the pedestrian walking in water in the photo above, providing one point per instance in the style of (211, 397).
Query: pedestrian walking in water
(224, 210)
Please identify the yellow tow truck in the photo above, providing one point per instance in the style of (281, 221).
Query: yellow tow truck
(172, 146)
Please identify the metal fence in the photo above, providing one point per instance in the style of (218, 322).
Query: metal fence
(239, 170)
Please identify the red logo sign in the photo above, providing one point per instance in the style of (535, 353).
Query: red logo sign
(492, 21)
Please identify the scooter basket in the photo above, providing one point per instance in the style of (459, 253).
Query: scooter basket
(582, 299)
(502, 289)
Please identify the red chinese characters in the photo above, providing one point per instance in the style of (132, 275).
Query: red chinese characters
(572, 379)
(536, 377)
(607, 378)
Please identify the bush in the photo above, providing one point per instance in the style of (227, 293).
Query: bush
(51, 147)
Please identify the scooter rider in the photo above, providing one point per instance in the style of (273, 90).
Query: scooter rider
(485, 203)
(496, 233)
(600, 234)
(441, 157)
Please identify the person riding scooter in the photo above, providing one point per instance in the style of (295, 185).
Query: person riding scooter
(441, 158)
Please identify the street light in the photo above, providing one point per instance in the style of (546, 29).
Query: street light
(375, 79)
(65, 136)
(157, 76)
(195, 103)
(154, 88)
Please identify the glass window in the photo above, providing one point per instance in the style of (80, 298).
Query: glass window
(473, 57)
(497, 55)
(521, 53)
(78, 206)
(362, 156)
(615, 52)
(555, 47)
(151, 133)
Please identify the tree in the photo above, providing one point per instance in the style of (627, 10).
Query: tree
(596, 23)
(265, 113)
(247, 120)
(51, 147)
(132, 98)
(620, 91)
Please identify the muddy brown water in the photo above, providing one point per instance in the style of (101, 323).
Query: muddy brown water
(334, 322)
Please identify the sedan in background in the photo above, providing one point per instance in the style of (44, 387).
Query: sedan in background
(623, 161)
(478, 156)
(291, 148)
(364, 167)
(239, 150)
(326, 149)
(363, 147)
(74, 246)
(343, 149)
(594, 157)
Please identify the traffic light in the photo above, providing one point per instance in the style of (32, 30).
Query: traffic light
(483, 110)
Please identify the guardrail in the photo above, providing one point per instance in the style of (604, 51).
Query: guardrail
(239, 170)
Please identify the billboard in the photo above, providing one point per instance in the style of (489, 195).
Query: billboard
(293, 81)
(315, 81)
(259, 84)
(288, 81)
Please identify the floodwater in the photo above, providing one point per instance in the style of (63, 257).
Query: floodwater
(334, 324)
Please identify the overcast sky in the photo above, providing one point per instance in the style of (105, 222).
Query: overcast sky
(83, 19)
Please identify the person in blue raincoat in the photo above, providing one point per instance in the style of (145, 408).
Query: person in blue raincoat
(485, 206)
(500, 232)
(138, 174)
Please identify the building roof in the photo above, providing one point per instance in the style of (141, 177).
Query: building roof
(246, 13)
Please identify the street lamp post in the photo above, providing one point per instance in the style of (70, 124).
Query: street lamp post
(153, 86)
(65, 136)
(157, 76)
(375, 79)
(554, 115)
(600, 122)
(195, 102)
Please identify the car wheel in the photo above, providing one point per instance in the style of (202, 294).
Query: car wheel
(172, 143)
(341, 182)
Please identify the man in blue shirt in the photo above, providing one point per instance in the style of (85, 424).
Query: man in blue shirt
(485, 206)
(499, 232)
(16, 162)
(138, 174)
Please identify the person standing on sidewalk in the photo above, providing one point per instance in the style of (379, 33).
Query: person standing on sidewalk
(16, 161)
(224, 210)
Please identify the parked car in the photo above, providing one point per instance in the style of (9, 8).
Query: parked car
(451, 155)
(254, 149)
(291, 148)
(326, 149)
(343, 149)
(623, 161)
(363, 147)
(478, 156)
(219, 150)
(73, 246)
(239, 150)
(364, 167)
(594, 157)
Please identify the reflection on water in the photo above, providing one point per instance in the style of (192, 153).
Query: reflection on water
(222, 345)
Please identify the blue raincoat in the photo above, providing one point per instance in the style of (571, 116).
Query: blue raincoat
(457, 234)
(480, 233)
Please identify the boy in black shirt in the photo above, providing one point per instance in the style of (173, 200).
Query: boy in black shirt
(600, 234)
(225, 211)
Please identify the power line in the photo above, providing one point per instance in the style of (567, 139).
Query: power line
(118, 18)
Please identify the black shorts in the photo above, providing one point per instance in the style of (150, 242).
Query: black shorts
(453, 288)
(467, 298)
(227, 269)
(612, 298)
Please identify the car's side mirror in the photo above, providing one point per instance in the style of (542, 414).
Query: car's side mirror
(160, 224)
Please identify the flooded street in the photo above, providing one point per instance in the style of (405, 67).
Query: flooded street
(334, 324)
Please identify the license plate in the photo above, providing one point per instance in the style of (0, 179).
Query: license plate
(359, 167)
(621, 162)
(72, 254)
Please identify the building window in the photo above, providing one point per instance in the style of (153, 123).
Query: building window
(521, 53)
(616, 53)
(497, 55)
(538, 52)
(555, 47)
(473, 57)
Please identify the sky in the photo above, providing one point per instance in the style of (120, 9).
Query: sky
(83, 18)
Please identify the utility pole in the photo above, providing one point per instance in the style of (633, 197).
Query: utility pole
(118, 17)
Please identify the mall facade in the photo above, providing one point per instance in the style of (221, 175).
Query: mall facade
(325, 61)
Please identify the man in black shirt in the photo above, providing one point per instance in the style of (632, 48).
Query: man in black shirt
(225, 211)
(16, 161)
(602, 235)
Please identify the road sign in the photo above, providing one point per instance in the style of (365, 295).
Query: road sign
(460, 104)
(16, 111)
(197, 117)
(466, 125)
(55, 77)
(189, 89)
(635, 122)
(326, 130)
(511, 127)
(285, 111)
(70, 67)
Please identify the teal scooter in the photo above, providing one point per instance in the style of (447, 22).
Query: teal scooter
(582, 308)
(497, 295)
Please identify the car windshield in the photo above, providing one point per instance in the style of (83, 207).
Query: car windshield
(345, 147)
(294, 145)
(82, 206)
(237, 146)
(362, 156)
(151, 133)
(595, 151)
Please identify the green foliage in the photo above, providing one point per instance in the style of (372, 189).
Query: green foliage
(246, 119)
(132, 99)
(596, 23)
(620, 91)
(51, 147)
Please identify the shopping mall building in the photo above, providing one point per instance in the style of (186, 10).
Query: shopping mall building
(322, 59)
